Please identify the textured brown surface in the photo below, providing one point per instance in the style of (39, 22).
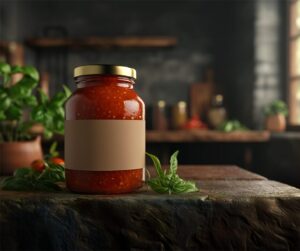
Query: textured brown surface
(236, 213)
(213, 172)
(207, 136)
(103, 42)
(244, 189)
(209, 189)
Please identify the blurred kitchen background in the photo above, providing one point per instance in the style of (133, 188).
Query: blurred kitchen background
(200, 63)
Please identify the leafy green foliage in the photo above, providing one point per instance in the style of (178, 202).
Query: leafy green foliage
(231, 126)
(20, 109)
(41, 178)
(169, 182)
(276, 107)
(50, 112)
(28, 179)
(52, 151)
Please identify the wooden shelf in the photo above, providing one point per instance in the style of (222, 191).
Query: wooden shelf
(103, 42)
(207, 136)
(182, 136)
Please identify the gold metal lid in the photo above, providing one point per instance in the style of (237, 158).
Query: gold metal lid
(104, 70)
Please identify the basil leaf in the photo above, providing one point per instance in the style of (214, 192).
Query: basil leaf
(5, 103)
(53, 152)
(43, 97)
(13, 113)
(170, 182)
(67, 91)
(37, 114)
(22, 172)
(156, 163)
(4, 69)
(173, 163)
(16, 69)
(17, 184)
(22, 89)
(31, 72)
(27, 83)
(30, 101)
(47, 133)
(47, 186)
(28, 179)
(156, 186)
(58, 100)
(6, 180)
(2, 115)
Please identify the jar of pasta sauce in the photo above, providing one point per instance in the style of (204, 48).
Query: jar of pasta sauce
(104, 131)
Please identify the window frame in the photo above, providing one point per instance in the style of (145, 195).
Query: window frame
(293, 75)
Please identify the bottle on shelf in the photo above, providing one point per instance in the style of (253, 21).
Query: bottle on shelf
(179, 115)
(217, 113)
(160, 121)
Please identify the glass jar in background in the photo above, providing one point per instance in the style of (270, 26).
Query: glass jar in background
(159, 116)
(104, 131)
(217, 113)
(179, 115)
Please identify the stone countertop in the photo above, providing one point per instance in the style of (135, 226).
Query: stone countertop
(234, 209)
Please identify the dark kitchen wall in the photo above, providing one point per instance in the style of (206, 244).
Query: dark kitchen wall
(218, 34)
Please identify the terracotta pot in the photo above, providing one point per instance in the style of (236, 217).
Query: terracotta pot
(276, 123)
(14, 155)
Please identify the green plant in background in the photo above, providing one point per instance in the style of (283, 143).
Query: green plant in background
(20, 108)
(231, 126)
(169, 182)
(276, 107)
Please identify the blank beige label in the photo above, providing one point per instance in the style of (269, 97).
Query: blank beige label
(104, 145)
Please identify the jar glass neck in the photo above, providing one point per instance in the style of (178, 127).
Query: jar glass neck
(92, 80)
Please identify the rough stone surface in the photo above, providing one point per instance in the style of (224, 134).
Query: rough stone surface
(224, 215)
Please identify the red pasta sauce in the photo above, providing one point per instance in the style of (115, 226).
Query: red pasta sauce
(104, 97)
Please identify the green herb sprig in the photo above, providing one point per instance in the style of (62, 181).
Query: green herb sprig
(28, 179)
(23, 105)
(43, 175)
(232, 126)
(169, 181)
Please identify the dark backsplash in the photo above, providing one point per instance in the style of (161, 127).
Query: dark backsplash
(227, 36)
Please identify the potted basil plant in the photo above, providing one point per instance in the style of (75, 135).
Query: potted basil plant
(275, 116)
(23, 105)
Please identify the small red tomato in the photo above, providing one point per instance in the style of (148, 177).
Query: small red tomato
(195, 123)
(38, 165)
(57, 161)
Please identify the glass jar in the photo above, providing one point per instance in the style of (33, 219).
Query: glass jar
(217, 113)
(179, 115)
(104, 131)
(159, 116)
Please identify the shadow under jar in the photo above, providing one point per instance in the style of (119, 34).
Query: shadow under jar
(104, 131)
